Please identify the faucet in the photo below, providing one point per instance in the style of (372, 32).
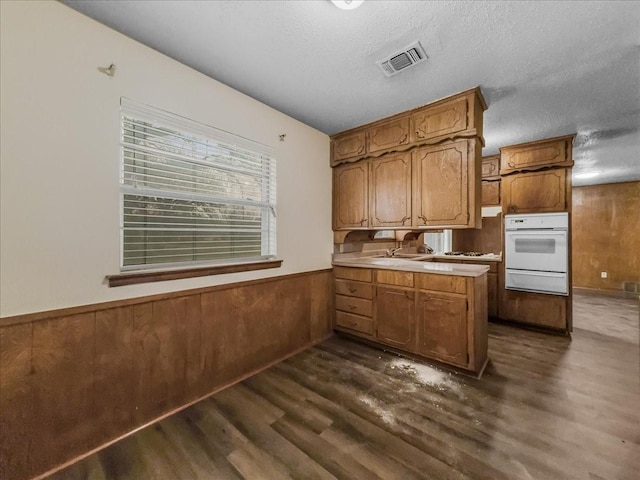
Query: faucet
(392, 251)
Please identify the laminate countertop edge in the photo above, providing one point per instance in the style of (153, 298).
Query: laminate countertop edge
(416, 266)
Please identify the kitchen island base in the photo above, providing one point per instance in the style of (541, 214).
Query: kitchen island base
(438, 317)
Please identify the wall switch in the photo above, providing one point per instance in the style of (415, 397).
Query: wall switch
(603, 274)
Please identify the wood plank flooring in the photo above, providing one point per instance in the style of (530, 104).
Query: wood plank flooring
(548, 407)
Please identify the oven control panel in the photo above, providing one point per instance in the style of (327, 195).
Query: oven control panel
(537, 221)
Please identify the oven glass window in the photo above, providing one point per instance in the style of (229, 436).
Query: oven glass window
(535, 245)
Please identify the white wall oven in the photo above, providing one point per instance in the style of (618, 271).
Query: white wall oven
(537, 253)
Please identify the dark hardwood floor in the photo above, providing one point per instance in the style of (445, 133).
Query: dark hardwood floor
(547, 407)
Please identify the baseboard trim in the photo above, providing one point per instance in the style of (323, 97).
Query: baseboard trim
(605, 293)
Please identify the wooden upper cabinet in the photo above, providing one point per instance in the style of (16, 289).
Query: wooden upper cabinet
(491, 167)
(350, 196)
(553, 152)
(442, 327)
(389, 135)
(390, 191)
(490, 192)
(350, 145)
(444, 119)
(445, 179)
(536, 192)
(457, 116)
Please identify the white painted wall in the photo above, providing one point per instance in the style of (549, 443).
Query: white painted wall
(60, 158)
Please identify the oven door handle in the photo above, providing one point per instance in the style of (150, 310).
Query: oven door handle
(537, 232)
(538, 273)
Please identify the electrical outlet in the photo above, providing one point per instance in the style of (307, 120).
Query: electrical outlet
(603, 274)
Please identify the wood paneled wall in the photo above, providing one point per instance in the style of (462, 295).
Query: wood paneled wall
(606, 235)
(73, 380)
(487, 239)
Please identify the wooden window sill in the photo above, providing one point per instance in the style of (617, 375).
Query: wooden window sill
(163, 275)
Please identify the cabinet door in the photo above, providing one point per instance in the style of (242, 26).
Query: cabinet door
(445, 119)
(535, 192)
(491, 167)
(347, 146)
(536, 155)
(442, 327)
(350, 196)
(390, 190)
(441, 176)
(389, 135)
(491, 192)
(395, 317)
(537, 309)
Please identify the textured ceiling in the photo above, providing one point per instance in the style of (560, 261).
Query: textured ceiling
(545, 68)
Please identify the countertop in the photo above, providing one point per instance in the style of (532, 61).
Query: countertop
(418, 264)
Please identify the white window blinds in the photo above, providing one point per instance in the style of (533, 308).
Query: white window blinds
(192, 194)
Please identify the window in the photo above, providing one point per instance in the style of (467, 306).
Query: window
(440, 241)
(191, 194)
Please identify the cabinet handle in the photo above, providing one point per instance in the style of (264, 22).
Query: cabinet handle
(352, 290)
(423, 218)
(419, 134)
(404, 219)
(404, 137)
(352, 307)
(363, 221)
(361, 149)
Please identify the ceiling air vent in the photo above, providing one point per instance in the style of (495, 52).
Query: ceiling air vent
(403, 59)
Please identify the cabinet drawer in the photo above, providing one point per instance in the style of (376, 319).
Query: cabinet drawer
(354, 289)
(354, 322)
(392, 277)
(442, 283)
(357, 274)
(360, 306)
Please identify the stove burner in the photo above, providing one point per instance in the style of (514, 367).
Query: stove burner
(468, 254)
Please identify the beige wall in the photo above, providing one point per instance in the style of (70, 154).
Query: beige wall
(606, 235)
(60, 158)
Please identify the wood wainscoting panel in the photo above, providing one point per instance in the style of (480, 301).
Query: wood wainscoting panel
(71, 384)
(16, 398)
(115, 371)
(63, 393)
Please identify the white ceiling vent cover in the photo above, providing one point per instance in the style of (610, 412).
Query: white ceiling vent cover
(402, 60)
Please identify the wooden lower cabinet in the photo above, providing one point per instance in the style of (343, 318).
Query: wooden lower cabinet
(442, 327)
(492, 294)
(439, 317)
(395, 317)
(537, 309)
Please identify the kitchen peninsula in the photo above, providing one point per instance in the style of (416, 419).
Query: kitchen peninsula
(415, 306)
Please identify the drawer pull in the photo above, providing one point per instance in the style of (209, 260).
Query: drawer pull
(353, 290)
(353, 307)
